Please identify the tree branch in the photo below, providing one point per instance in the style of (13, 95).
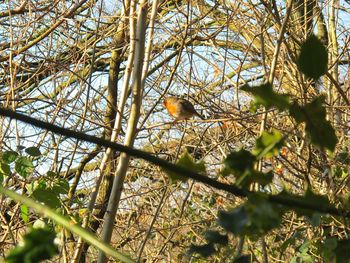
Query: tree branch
(290, 200)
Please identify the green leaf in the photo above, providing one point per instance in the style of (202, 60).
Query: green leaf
(305, 246)
(264, 215)
(187, 161)
(242, 259)
(4, 171)
(268, 144)
(326, 249)
(34, 185)
(38, 244)
(303, 254)
(241, 165)
(235, 221)
(330, 243)
(243, 180)
(33, 151)
(261, 178)
(9, 156)
(216, 237)
(254, 218)
(24, 166)
(343, 157)
(315, 219)
(345, 200)
(266, 96)
(318, 128)
(314, 109)
(47, 196)
(61, 186)
(290, 241)
(339, 172)
(25, 213)
(253, 106)
(51, 174)
(313, 58)
(342, 251)
(250, 177)
(240, 161)
(203, 250)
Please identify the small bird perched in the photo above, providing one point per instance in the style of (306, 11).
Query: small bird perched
(179, 108)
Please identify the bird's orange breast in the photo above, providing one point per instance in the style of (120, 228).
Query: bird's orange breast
(172, 108)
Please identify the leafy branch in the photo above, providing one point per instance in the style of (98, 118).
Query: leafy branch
(59, 219)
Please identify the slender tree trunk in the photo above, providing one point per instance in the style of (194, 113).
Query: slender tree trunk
(137, 86)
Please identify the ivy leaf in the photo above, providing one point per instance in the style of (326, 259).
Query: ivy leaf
(266, 96)
(250, 177)
(9, 156)
(339, 172)
(38, 244)
(4, 171)
(303, 254)
(33, 151)
(261, 178)
(203, 250)
(330, 243)
(315, 219)
(264, 215)
(186, 161)
(342, 251)
(240, 161)
(290, 241)
(47, 196)
(313, 58)
(61, 186)
(20, 147)
(343, 157)
(51, 174)
(318, 128)
(242, 259)
(24, 166)
(241, 164)
(34, 185)
(235, 221)
(268, 144)
(253, 106)
(254, 218)
(25, 213)
(216, 237)
(327, 249)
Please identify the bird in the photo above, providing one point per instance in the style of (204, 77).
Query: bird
(180, 108)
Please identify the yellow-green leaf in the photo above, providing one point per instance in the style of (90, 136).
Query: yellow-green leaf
(187, 161)
(268, 144)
